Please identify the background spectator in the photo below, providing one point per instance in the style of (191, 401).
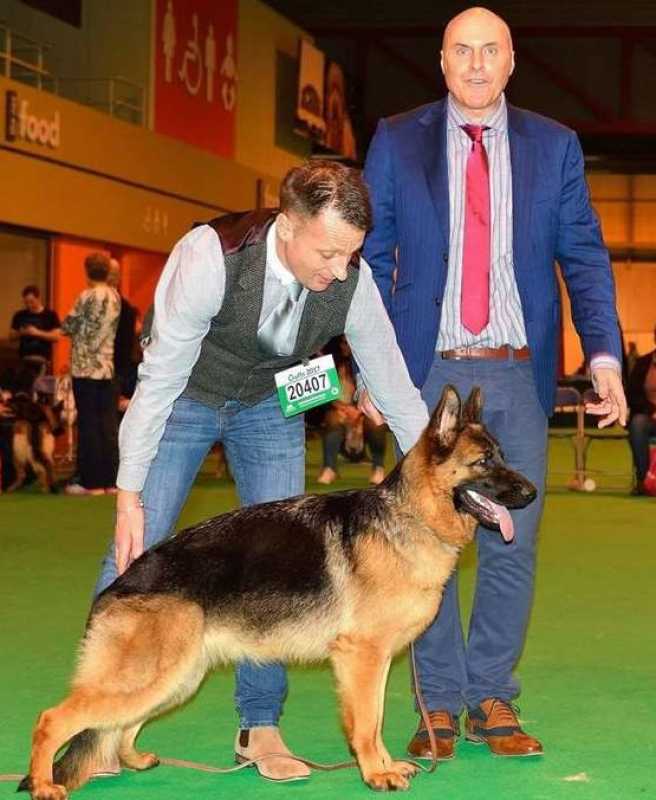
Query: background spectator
(127, 353)
(641, 396)
(632, 356)
(92, 324)
(345, 428)
(36, 328)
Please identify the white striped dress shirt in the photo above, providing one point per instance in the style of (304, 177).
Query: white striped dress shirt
(506, 323)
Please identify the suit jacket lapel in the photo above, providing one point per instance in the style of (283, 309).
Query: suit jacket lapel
(433, 149)
(523, 153)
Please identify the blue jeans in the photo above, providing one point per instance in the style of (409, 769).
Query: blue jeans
(266, 453)
(451, 672)
(642, 428)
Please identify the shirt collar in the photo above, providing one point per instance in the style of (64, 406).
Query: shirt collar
(496, 121)
(273, 263)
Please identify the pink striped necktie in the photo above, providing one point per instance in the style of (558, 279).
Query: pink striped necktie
(475, 290)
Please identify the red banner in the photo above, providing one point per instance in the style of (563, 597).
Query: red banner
(195, 86)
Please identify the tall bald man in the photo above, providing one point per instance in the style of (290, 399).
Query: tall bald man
(474, 200)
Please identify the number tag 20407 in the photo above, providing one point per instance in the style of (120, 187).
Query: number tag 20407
(307, 385)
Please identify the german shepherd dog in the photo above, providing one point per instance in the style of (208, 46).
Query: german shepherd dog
(352, 576)
(33, 440)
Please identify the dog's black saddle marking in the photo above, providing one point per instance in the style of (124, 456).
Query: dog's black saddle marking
(258, 562)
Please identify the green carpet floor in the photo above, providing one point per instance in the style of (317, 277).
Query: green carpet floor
(588, 671)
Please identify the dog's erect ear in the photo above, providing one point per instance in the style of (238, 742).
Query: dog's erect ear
(471, 411)
(443, 426)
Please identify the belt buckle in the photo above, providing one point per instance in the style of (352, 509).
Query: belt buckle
(459, 354)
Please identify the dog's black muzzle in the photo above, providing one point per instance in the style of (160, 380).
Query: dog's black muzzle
(488, 499)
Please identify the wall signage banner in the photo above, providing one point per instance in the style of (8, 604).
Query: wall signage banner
(196, 72)
(309, 105)
(321, 106)
(24, 123)
(339, 131)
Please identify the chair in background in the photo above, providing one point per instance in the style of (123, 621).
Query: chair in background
(570, 400)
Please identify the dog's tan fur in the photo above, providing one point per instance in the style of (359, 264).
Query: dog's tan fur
(145, 653)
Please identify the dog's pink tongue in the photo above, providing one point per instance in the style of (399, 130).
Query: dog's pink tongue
(505, 522)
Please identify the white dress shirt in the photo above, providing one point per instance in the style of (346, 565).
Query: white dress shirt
(190, 292)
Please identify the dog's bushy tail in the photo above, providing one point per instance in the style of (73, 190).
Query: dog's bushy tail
(88, 752)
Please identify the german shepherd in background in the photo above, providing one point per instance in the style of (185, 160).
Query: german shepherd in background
(33, 440)
(352, 576)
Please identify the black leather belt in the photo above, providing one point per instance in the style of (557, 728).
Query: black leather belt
(503, 353)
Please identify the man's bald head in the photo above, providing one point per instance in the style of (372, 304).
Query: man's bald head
(477, 60)
(476, 15)
(114, 274)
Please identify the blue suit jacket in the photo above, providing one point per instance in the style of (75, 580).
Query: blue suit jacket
(407, 174)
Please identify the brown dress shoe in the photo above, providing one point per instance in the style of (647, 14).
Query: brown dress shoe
(445, 727)
(495, 724)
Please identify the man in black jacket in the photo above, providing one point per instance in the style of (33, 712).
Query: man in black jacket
(641, 396)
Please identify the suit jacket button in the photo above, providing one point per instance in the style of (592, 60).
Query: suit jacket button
(445, 258)
(437, 301)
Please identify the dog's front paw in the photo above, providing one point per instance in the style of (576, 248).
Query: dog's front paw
(391, 780)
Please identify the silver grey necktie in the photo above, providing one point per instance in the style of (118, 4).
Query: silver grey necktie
(277, 334)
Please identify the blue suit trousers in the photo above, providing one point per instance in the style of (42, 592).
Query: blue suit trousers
(453, 672)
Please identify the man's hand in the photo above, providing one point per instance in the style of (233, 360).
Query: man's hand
(129, 531)
(611, 406)
(369, 409)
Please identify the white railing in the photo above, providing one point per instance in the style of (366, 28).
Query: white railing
(116, 96)
(23, 59)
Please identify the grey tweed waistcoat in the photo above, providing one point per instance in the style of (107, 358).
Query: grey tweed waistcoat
(230, 365)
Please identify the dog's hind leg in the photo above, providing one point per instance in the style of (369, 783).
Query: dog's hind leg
(139, 657)
(361, 667)
(129, 756)
(90, 752)
(53, 729)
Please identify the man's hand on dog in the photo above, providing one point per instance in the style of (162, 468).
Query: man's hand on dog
(611, 402)
(129, 532)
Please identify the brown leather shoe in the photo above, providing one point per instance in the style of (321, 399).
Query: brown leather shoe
(495, 724)
(446, 729)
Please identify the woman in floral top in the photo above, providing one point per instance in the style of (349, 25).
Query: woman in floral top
(91, 324)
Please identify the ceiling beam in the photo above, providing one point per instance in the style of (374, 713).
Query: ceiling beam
(627, 49)
(423, 76)
(518, 31)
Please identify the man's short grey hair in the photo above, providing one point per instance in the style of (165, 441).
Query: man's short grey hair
(318, 185)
